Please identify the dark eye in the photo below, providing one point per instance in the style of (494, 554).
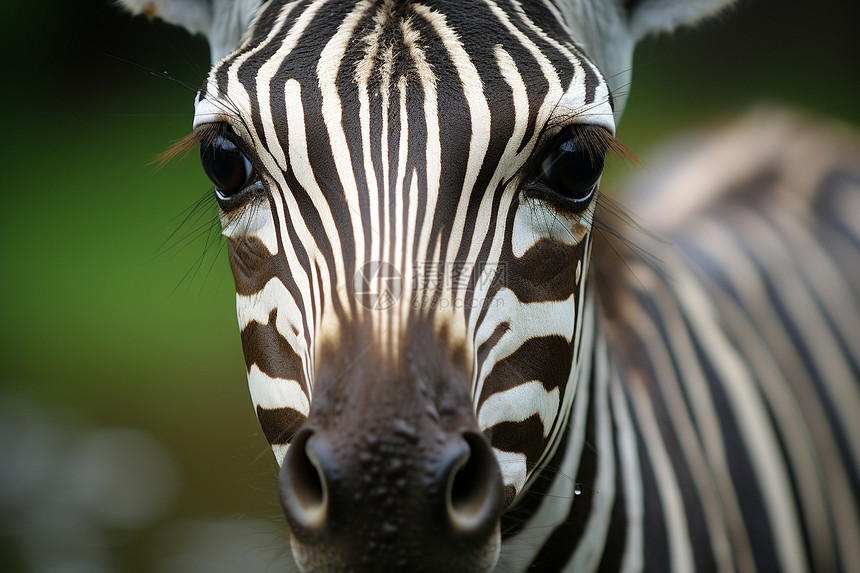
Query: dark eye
(568, 175)
(226, 167)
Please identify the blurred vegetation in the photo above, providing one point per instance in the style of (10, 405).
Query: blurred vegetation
(117, 301)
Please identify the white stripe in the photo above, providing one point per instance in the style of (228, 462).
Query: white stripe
(405, 263)
(520, 403)
(273, 393)
(534, 221)
(513, 467)
(280, 451)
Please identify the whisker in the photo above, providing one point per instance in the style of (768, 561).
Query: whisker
(163, 75)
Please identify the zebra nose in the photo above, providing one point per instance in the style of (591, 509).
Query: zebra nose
(458, 494)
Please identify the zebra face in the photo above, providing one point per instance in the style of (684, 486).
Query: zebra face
(407, 191)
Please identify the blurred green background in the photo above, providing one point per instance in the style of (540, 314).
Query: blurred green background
(119, 353)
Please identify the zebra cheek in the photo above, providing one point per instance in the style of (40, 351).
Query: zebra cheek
(252, 264)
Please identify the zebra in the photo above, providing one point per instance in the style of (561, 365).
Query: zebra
(459, 360)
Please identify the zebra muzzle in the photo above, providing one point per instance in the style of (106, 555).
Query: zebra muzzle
(387, 501)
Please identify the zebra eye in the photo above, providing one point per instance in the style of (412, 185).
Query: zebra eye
(227, 167)
(568, 175)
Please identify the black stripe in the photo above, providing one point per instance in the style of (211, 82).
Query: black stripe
(279, 425)
(528, 362)
(524, 437)
(264, 346)
(545, 272)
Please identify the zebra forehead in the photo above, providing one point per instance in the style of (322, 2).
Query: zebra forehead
(456, 50)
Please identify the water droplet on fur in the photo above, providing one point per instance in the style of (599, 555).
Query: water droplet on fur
(577, 490)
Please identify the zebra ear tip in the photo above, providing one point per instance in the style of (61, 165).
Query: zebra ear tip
(193, 15)
(648, 17)
(145, 7)
(221, 27)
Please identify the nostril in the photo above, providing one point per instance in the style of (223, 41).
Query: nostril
(308, 480)
(474, 492)
(304, 493)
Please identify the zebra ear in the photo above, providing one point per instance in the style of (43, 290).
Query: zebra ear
(222, 21)
(649, 16)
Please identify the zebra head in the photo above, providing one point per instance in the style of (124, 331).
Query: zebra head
(408, 191)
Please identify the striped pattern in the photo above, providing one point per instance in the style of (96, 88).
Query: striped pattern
(696, 413)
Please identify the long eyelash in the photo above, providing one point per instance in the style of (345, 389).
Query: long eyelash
(599, 143)
(203, 135)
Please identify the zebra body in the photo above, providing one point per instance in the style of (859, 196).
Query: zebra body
(744, 344)
(447, 379)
